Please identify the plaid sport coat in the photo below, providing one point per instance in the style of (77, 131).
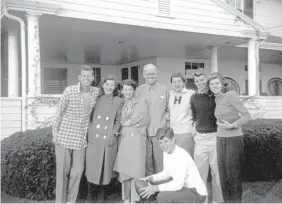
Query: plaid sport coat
(71, 121)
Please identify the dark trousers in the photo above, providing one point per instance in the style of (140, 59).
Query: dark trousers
(95, 193)
(230, 159)
(185, 195)
(154, 156)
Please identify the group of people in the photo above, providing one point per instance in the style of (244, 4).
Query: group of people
(167, 138)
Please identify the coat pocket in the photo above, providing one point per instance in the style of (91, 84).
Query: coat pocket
(142, 131)
(111, 141)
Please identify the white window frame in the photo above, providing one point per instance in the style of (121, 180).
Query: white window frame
(190, 75)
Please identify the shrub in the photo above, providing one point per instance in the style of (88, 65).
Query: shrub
(262, 150)
(28, 164)
(28, 167)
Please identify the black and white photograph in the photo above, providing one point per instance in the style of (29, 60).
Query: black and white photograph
(141, 101)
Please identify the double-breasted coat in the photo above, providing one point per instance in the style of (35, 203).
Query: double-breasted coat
(130, 162)
(102, 144)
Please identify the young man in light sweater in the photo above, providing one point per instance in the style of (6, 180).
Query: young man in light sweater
(180, 113)
(180, 178)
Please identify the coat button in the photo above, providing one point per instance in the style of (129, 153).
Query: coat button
(97, 135)
(98, 126)
(105, 137)
(107, 118)
(99, 117)
(106, 127)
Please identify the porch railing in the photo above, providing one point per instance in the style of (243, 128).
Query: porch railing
(11, 116)
(41, 110)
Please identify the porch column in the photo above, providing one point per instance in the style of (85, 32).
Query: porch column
(13, 63)
(34, 68)
(253, 66)
(214, 64)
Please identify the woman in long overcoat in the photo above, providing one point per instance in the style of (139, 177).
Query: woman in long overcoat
(130, 162)
(103, 134)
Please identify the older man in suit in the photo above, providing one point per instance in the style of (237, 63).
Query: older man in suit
(157, 97)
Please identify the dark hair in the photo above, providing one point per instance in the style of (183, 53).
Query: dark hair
(197, 74)
(178, 75)
(216, 75)
(165, 132)
(86, 68)
(109, 78)
(129, 82)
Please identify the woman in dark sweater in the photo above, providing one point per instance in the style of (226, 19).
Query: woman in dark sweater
(231, 114)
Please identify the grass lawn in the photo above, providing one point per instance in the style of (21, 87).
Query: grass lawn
(253, 192)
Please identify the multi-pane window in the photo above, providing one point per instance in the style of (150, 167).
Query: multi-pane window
(124, 73)
(193, 66)
(135, 73)
(97, 76)
(245, 6)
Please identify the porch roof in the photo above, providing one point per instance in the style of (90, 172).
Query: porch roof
(72, 39)
(205, 16)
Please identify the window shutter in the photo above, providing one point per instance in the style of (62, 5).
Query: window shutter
(164, 8)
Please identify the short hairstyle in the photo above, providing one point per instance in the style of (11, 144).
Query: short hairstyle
(129, 82)
(147, 66)
(216, 75)
(178, 75)
(104, 80)
(165, 132)
(86, 68)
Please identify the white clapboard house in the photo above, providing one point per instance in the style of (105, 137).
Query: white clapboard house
(43, 42)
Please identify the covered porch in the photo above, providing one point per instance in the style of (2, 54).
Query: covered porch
(56, 46)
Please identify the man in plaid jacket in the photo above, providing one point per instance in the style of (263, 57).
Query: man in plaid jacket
(69, 134)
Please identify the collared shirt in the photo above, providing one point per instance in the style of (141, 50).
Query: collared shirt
(180, 166)
(72, 120)
(180, 111)
(157, 97)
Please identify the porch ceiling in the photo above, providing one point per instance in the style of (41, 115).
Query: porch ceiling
(116, 43)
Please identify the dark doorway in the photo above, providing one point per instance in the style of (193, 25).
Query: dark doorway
(190, 84)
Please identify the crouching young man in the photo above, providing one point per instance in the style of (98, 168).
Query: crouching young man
(180, 181)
